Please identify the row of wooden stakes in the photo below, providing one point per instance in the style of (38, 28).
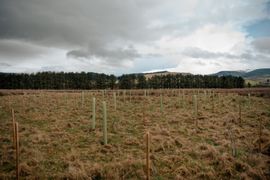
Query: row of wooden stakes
(15, 128)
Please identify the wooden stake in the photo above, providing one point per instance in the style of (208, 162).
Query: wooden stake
(183, 99)
(103, 95)
(248, 100)
(17, 150)
(14, 128)
(114, 100)
(218, 101)
(124, 94)
(213, 103)
(94, 113)
(195, 103)
(195, 109)
(65, 94)
(23, 103)
(105, 123)
(147, 156)
(82, 98)
(240, 113)
(179, 99)
(161, 103)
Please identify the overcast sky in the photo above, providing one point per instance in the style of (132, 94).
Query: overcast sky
(128, 36)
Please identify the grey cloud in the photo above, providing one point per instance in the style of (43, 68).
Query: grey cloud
(78, 54)
(201, 63)
(262, 44)
(217, 64)
(152, 55)
(246, 57)
(52, 68)
(83, 27)
(121, 54)
(13, 49)
(195, 52)
(116, 55)
(255, 57)
(71, 23)
(2, 64)
(92, 24)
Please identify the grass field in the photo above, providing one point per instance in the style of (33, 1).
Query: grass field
(57, 141)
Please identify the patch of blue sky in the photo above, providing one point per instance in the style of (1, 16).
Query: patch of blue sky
(259, 29)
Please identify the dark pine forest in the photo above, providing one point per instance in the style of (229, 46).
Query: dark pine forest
(82, 80)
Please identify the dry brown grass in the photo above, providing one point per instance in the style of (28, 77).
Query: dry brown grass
(56, 139)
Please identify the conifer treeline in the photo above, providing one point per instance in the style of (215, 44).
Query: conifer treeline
(70, 80)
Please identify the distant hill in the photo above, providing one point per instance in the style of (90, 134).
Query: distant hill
(254, 73)
(258, 73)
(162, 73)
(230, 73)
(257, 77)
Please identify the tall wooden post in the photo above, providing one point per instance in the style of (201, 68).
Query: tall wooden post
(105, 123)
(17, 150)
(94, 113)
(14, 128)
(161, 103)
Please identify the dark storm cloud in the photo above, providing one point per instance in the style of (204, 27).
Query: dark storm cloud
(12, 49)
(76, 25)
